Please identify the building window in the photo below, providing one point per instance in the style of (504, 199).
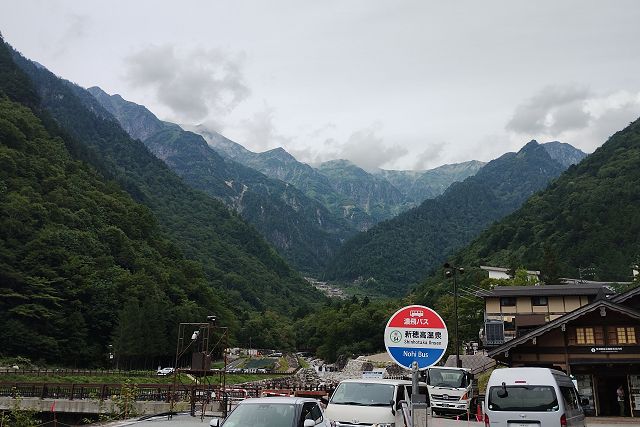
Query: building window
(622, 335)
(539, 301)
(585, 336)
(507, 301)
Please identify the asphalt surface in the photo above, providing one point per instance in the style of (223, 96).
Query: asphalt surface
(184, 420)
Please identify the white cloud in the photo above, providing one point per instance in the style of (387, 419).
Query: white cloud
(552, 110)
(430, 156)
(192, 84)
(367, 149)
(574, 115)
(259, 133)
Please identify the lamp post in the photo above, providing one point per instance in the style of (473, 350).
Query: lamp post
(452, 271)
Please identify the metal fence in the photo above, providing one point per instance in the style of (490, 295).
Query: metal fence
(149, 392)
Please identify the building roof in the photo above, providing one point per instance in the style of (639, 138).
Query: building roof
(564, 319)
(626, 295)
(506, 270)
(591, 288)
(474, 362)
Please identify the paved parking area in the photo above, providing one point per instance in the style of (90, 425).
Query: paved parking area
(596, 422)
(188, 421)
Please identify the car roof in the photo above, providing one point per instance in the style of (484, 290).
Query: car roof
(376, 381)
(290, 400)
(526, 373)
(450, 368)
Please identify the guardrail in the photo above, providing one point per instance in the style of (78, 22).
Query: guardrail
(96, 373)
(84, 372)
(144, 392)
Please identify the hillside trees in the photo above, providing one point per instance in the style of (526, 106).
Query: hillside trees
(588, 218)
(74, 249)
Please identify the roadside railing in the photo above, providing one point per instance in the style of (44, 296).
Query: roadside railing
(98, 372)
(145, 392)
(68, 372)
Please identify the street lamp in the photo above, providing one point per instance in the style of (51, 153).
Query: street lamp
(453, 271)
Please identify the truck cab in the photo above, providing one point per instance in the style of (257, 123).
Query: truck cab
(451, 390)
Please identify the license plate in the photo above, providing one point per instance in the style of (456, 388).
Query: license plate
(524, 424)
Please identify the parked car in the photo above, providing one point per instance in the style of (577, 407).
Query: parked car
(165, 371)
(532, 396)
(275, 412)
(370, 402)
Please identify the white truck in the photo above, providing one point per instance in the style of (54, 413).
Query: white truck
(451, 390)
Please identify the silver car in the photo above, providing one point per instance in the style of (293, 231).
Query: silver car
(275, 412)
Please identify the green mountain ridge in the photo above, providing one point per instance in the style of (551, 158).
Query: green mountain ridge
(588, 218)
(301, 229)
(403, 251)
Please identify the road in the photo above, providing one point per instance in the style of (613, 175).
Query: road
(595, 422)
(188, 421)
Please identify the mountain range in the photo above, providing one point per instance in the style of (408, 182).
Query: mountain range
(116, 226)
(98, 227)
(360, 197)
(300, 228)
(404, 250)
(304, 212)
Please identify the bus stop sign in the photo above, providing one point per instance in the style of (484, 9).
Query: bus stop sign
(416, 333)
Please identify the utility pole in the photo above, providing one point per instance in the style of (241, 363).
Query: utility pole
(452, 271)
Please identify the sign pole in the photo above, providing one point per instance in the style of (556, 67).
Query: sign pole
(416, 338)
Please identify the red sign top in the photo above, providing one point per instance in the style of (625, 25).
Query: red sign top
(416, 316)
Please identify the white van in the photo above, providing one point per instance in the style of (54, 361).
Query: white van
(365, 402)
(531, 397)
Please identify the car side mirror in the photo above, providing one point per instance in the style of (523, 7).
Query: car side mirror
(215, 422)
(393, 406)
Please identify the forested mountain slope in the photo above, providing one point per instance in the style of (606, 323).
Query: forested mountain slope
(235, 258)
(404, 250)
(301, 229)
(75, 249)
(589, 217)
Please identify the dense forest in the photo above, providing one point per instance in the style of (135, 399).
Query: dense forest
(74, 248)
(101, 243)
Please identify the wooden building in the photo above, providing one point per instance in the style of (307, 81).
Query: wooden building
(512, 310)
(597, 343)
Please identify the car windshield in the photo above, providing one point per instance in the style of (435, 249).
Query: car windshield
(365, 394)
(531, 398)
(262, 415)
(447, 378)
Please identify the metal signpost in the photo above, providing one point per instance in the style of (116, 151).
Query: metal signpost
(416, 338)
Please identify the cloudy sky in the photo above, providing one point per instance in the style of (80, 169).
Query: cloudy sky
(394, 84)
